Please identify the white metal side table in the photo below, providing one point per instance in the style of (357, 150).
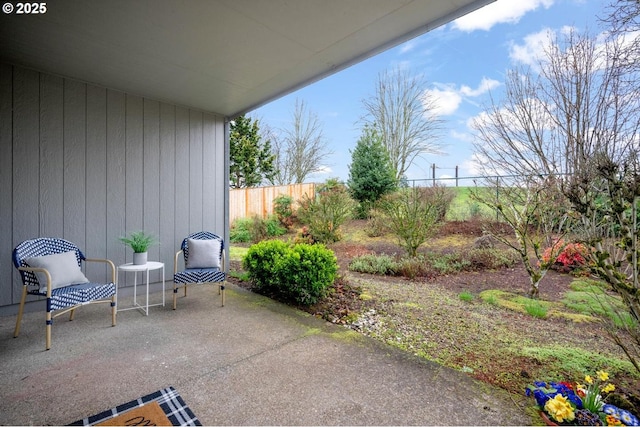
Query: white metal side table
(135, 268)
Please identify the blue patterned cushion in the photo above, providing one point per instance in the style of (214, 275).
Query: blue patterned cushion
(199, 275)
(80, 294)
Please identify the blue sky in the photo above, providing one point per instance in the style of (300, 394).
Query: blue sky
(463, 63)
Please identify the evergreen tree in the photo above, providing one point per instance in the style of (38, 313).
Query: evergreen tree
(251, 160)
(371, 174)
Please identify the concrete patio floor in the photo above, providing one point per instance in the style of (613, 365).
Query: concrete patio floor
(252, 362)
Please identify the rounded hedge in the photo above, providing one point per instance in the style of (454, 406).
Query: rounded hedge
(301, 273)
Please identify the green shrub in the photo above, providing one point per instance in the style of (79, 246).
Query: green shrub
(412, 267)
(412, 215)
(301, 273)
(465, 296)
(376, 226)
(261, 262)
(274, 227)
(433, 263)
(307, 273)
(326, 212)
(240, 231)
(441, 196)
(283, 210)
(491, 259)
(448, 263)
(373, 264)
(255, 229)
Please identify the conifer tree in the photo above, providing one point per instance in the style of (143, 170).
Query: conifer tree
(371, 174)
(251, 160)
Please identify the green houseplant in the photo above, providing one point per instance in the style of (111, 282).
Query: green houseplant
(140, 242)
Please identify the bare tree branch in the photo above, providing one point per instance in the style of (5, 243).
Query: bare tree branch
(301, 150)
(402, 112)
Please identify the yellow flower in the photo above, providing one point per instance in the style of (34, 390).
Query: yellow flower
(560, 408)
(604, 376)
(613, 421)
(608, 388)
(588, 379)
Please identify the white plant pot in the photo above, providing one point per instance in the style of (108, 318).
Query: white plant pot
(139, 258)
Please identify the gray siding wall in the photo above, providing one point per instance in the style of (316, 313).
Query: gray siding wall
(90, 164)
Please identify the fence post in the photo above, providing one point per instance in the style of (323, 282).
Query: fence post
(433, 173)
(497, 197)
(456, 176)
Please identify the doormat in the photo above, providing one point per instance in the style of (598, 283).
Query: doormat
(162, 408)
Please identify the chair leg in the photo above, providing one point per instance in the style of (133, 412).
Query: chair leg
(114, 310)
(72, 314)
(175, 295)
(20, 312)
(221, 291)
(49, 322)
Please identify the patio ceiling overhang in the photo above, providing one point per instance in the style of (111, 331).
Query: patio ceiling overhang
(222, 56)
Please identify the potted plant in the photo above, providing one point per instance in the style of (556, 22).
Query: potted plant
(140, 242)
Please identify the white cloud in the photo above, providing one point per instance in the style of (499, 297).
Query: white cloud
(533, 49)
(537, 111)
(446, 100)
(473, 166)
(485, 86)
(447, 97)
(502, 11)
(462, 136)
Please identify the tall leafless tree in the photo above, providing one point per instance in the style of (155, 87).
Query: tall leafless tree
(404, 114)
(576, 121)
(622, 19)
(301, 149)
(555, 120)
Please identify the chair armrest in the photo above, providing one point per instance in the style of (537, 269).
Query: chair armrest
(109, 262)
(175, 262)
(40, 270)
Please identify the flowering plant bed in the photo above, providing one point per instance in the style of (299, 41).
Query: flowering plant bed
(568, 256)
(563, 403)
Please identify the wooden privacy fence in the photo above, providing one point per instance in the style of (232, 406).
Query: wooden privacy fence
(247, 202)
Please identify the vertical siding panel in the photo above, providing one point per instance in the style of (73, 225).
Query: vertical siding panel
(96, 181)
(51, 156)
(89, 164)
(75, 124)
(151, 178)
(8, 275)
(116, 193)
(134, 169)
(183, 206)
(195, 171)
(209, 183)
(26, 163)
(170, 243)
(220, 174)
(224, 185)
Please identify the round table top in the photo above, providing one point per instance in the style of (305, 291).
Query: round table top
(150, 265)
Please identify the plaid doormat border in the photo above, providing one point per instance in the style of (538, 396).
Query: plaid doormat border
(169, 400)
